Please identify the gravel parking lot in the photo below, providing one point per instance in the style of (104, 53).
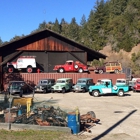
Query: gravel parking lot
(120, 116)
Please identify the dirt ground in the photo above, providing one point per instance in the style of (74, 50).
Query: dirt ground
(119, 116)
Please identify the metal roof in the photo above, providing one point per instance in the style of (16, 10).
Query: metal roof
(87, 49)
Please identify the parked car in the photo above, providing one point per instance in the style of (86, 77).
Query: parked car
(109, 67)
(82, 85)
(106, 87)
(132, 83)
(44, 85)
(62, 85)
(18, 87)
(23, 62)
(71, 66)
(136, 86)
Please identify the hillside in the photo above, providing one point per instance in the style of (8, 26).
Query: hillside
(122, 56)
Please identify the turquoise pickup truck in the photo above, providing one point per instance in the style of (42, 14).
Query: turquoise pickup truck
(105, 86)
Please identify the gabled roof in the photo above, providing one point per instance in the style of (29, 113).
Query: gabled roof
(88, 50)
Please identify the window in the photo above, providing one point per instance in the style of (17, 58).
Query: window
(112, 64)
(69, 63)
(44, 82)
(19, 60)
(107, 64)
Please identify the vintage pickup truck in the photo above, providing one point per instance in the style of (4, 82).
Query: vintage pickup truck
(136, 86)
(105, 86)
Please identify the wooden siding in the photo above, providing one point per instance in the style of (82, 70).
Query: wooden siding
(49, 44)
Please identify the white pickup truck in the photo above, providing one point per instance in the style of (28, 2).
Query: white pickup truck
(23, 62)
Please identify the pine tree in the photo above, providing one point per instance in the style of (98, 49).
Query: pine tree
(73, 30)
(56, 27)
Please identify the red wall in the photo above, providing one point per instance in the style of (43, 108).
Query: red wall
(33, 78)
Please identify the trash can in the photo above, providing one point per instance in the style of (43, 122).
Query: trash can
(74, 122)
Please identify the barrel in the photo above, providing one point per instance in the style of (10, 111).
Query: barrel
(74, 122)
(19, 112)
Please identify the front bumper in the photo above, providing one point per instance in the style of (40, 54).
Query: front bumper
(85, 70)
(12, 91)
(39, 90)
(77, 89)
(57, 89)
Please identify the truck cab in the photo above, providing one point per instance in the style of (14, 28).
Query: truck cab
(105, 86)
(71, 66)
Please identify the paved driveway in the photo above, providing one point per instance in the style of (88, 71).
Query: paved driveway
(120, 116)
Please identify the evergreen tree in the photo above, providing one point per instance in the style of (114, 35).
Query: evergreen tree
(83, 21)
(56, 27)
(64, 27)
(73, 30)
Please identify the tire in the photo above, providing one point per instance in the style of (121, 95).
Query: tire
(45, 91)
(90, 93)
(101, 72)
(61, 70)
(21, 93)
(95, 93)
(63, 90)
(134, 91)
(76, 66)
(10, 69)
(80, 70)
(116, 71)
(92, 114)
(84, 90)
(121, 93)
(29, 69)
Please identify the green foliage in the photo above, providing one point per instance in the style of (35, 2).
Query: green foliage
(56, 27)
(97, 62)
(1, 42)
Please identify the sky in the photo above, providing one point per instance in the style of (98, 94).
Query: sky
(19, 17)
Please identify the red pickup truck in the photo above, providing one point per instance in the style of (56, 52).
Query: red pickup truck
(136, 86)
(71, 66)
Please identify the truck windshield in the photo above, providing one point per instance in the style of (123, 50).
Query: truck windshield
(43, 82)
(120, 81)
(81, 81)
(60, 81)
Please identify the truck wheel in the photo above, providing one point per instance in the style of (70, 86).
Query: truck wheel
(80, 70)
(101, 71)
(10, 69)
(45, 91)
(63, 90)
(61, 70)
(95, 93)
(29, 69)
(84, 90)
(116, 71)
(121, 93)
